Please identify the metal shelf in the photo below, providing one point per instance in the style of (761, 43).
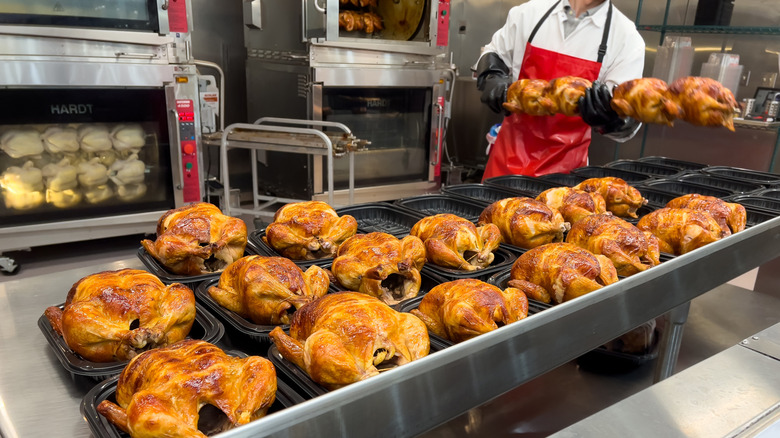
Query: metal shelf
(724, 30)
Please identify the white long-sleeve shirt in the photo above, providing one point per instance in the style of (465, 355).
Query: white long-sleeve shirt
(625, 55)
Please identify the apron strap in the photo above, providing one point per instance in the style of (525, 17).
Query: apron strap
(544, 17)
(605, 37)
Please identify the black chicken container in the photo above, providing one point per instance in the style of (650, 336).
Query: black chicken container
(155, 267)
(680, 188)
(563, 179)
(656, 198)
(382, 217)
(652, 169)
(106, 390)
(205, 327)
(680, 164)
(526, 184)
(758, 202)
(756, 216)
(483, 193)
(752, 176)
(603, 172)
(733, 185)
(769, 193)
(431, 205)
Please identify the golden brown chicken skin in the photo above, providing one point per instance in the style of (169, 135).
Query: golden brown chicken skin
(573, 204)
(730, 216)
(381, 265)
(525, 222)
(115, 315)
(630, 249)
(197, 239)
(462, 309)
(308, 230)
(559, 272)
(160, 392)
(705, 102)
(622, 199)
(681, 230)
(346, 337)
(530, 96)
(647, 100)
(453, 242)
(267, 290)
(566, 92)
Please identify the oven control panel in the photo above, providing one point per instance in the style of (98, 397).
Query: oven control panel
(189, 150)
(443, 24)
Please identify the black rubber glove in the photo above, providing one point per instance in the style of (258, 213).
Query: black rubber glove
(597, 112)
(493, 79)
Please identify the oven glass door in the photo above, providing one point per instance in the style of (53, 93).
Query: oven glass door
(68, 154)
(125, 14)
(397, 122)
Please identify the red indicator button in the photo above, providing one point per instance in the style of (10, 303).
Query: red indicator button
(188, 148)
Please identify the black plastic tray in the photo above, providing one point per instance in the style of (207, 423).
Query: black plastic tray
(562, 179)
(380, 216)
(532, 186)
(205, 327)
(657, 198)
(602, 172)
(602, 360)
(259, 246)
(770, 204)
(680, 164)
(680, 188)
(734, 185)
(482, 193)
(106, 390)
(753, 176)
(652, 169)
(768, 193)
(503, 260)
(430, 205)
(155, 267)
(756, 216)
(255, 332)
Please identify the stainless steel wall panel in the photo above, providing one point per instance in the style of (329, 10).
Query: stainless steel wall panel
(377, 77)
(281, 27)
(323, 56)
(80, 74)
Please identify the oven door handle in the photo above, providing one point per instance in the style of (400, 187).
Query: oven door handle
(318, 7)
(439, 134)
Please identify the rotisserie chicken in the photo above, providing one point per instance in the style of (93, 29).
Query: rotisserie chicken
(346, 337)
(22, 186)
(529, 96)
(92, 173)
(566, 93)
(19, 143)
(453, 242)
(129, 171)
(197, 239)
(367, 22)
(525, 222)
(647, 100)
(60, 176)
(705, 102)
(560, 272)
(680, 230)
(380, 265)
(115, 315)
(128, 138)
(630, 249)
(359, 3)
(160, 393)
(730, 216)
(462, 309)
(58, 139)
(98, 194)
(94, 138)
(622, 199)
(308, 230)
(267, 290)
(573, 204)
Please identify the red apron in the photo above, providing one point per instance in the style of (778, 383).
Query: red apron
(538, 145)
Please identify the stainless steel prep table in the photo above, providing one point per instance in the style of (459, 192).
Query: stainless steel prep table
(38, 398)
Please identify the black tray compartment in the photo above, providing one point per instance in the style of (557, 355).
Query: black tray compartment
(527, 184)
(562, 179)
(652, 169)
(603, 172)
(483, 193)
(769, 193)
(655, 197)
(680, 188)
(721, 183)
(753, 176)
(206, 327)
(155, 267)
(431, 205)
(758, 202)
(503, 260)
(756, 216)
(382, 217)
(680, 164)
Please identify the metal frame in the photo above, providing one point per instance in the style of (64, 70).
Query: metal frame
(425, 393)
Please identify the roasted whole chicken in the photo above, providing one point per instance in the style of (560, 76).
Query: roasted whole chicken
(647, 100)
(559, 272)
(160, 392)
(730, 216)
(197, 239)
(381, 265)
(346, 337)
(463, 309)
(359, 3)
(681, 230)
(267, 290)
(573, 204)
(308, 230)
(528, 96)
(115, 315)
(367, 22)
(705, 102)
(19, 143)
(630, 249)
(525, 222)
(453, 242)
(566, 92)
(622, 199)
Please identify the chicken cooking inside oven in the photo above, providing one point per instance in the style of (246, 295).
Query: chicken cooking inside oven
(453, 242)
(267, 290)
(161, 392)
(647, 100)
(367, 22)
(114, 315)
(197, 239)
(681, 230)
(705, 102)
(566, 92)
(462, 309)
(308, 230)
(381, 265)
(622, 199)
(346, 337)
(730, 216)
(560, 272)
(359, 3)
(529, 96)
(630, 249)
(573, 204)
(525, 222)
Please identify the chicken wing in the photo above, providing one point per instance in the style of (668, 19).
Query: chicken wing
(730, 216)
(453, 242)
(705, 102)
(525, 222)
(647, 100)
(573, 204)
(308, 230)
(681, 230)
(622, 199)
